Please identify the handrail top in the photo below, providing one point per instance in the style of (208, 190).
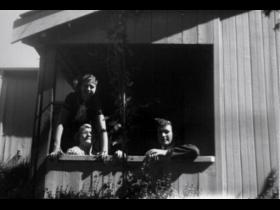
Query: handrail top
(135, 159)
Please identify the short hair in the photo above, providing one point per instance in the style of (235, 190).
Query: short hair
(87, 78)
(84, 126)
(81, 129)
(162, 122)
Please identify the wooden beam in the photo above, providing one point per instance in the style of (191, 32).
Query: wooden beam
(259, 98)
(219, 94)
(200, 159)
(48, 22)
(249, 186)
(3, 92)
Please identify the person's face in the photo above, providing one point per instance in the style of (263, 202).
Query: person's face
(86, 137)
(165, 135)
(88, 89)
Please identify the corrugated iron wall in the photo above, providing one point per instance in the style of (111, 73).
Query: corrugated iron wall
(17, 106)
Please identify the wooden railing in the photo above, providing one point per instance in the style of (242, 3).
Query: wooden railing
(88, 173)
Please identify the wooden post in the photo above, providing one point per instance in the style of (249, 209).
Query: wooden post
(3, 91)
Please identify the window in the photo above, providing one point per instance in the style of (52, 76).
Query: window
(169, 81)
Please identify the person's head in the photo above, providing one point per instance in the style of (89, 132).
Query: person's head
(164, 132)
(84, 135)
(87, 86)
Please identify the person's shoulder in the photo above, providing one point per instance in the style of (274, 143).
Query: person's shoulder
(95, 104)
(72, 95)
(190, 147)
(94, 99)
(72, 98)
(74, 151)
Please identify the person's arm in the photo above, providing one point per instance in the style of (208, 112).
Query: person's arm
(58, 136)
(63, 117)
(156, 154)
(183, 152)
(103, 134)
(57, 142)
(75, 151)
(179, 152)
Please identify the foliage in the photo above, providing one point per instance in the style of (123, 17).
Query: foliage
(145, 186)
(14, 181)
(139, 184)
(105, 193)
(267, 13)
(271, 187)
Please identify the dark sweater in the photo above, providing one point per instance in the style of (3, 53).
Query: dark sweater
(186, 151)
(182, 152)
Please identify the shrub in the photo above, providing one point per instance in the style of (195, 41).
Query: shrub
(14, 181)
(104, 193)
(271, 187)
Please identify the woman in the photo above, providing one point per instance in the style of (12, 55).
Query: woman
(85, 141)
(80, 107)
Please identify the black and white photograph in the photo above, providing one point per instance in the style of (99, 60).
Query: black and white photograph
(139, 104)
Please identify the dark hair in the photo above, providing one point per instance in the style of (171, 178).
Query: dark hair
(162, 122)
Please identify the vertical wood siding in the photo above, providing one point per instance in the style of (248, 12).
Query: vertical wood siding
(251, 101)
(246, 72)
(246, 87)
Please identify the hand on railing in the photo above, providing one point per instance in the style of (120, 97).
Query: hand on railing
(156, 154)
(102, 156)
(56, 154)
(119, 155)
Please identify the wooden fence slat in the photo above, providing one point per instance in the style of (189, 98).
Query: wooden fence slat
(242, 105)
(116, 180)
(50, 183)
(272, 93)
(276, 76)
(235, 110)
(228, 109)
(75, 180)
(188, 185)
(277, 20)
(245, 108)
(221, 172)
(3, 96)
(259, 100)
(207, 182)
(249, 109)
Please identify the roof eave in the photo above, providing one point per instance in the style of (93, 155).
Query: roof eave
(43, 23)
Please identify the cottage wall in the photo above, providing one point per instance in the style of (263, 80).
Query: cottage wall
(246, 82)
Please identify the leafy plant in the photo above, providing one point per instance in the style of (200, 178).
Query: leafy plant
(277, 24)
(105, 193)
(271, 187)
